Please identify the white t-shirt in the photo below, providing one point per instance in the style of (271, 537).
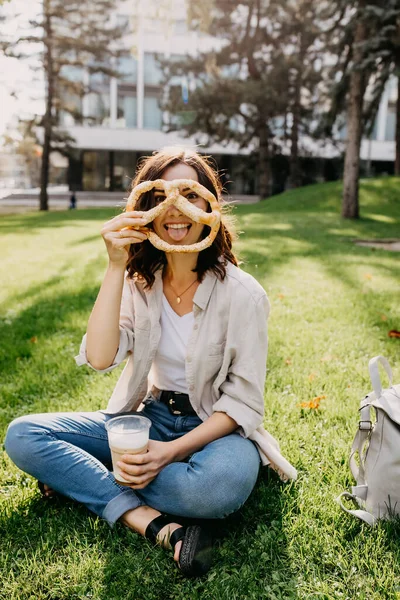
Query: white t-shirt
(168, 368)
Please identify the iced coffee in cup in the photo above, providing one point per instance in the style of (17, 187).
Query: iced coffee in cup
(128, 434)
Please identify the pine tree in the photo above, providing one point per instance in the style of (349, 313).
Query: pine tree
(384, 46)
(357, 87)
(259, 88)
(237, 90)
(305, 27)
(68, 37)
(367, 50)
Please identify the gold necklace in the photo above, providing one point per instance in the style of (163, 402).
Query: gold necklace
(179, 296)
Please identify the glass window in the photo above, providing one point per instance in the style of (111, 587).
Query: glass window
(127, 109)
(390, 129)
(70, 110)
(72, 73)
(127, 67)
(124, 169)
(152, 118)
(375, 129)
(98, 109)
(152, 70)
(95, 170)
(123, 21)
(98, 79)
(180, 26)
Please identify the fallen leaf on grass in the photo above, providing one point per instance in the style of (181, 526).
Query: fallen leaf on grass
(288, 361)
(281, 296)
(383, 317)
(394, 333)
(312, 376)
(313, 404)
(367, 276)
(33, 340)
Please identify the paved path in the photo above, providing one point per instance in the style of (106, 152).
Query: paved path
(28, 200)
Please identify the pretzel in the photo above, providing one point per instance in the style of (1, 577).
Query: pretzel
(173, 196)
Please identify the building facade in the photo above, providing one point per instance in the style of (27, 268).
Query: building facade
(122, 121)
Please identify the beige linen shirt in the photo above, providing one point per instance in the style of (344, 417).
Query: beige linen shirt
(226, 354)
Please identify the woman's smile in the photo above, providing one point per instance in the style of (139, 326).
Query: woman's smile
(177, 231)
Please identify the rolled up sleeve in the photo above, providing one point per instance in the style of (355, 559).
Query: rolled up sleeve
(126, 333)
(243, 390)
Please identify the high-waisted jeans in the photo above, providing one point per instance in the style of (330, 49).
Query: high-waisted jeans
(70, 453)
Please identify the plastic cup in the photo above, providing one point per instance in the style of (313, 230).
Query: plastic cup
(128, 434)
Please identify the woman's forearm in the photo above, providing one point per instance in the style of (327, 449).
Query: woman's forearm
(215, 427)
(103, 327)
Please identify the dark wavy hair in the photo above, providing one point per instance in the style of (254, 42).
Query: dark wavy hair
(144, 259)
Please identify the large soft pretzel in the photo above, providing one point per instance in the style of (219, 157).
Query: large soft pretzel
(173, 195)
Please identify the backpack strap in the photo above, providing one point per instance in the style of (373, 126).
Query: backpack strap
(362, 435)
(363, 515)
(374, 373)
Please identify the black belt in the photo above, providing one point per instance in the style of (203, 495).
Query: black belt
(178, 403)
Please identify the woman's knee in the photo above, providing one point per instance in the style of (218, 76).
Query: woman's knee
(229, 481)
(19, 436)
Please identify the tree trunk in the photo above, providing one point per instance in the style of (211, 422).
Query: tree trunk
(295, 175)
(397, 160)
(48, 117)
(264, 164)
(295, 172)
(350, 205)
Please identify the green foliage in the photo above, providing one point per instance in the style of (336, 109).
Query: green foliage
(378, 56)
(332, 306)
(66, 38)
(260, 83)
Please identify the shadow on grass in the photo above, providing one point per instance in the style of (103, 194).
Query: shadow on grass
(250, 552)
(27, 357)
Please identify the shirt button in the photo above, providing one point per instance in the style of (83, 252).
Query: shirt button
(189, 359)
(191, 388)
(195, 327)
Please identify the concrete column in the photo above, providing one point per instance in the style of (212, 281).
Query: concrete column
(382, 116)
(140, 72)
(113, 102)
(85, 99)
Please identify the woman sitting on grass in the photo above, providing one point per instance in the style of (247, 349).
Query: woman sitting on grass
(194, 328)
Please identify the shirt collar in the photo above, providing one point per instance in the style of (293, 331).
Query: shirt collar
(203, 292)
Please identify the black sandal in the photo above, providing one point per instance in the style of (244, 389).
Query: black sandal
(196, 552)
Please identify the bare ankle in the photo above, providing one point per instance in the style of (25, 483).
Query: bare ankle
(139, 518)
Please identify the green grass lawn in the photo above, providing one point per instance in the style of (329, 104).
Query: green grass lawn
(333, 304)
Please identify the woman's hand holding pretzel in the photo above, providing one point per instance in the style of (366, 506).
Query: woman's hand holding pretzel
(122, 231)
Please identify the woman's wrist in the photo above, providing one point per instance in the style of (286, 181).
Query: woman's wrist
(116, 267)
(177, 452)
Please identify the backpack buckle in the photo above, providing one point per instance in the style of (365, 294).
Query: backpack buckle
(365, 425)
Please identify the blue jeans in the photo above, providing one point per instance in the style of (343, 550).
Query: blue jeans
(70, 453)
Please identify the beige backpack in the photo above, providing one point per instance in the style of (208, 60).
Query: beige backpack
(377, 444)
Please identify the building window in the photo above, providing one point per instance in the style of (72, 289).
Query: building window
(71, 110)
(390, 128)
(98, 109)
(152, 70)
(180, 26)
(127, 67)
(98, 80)
(95, 170)
(127, 108)
(124, 169)
(152, 118)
